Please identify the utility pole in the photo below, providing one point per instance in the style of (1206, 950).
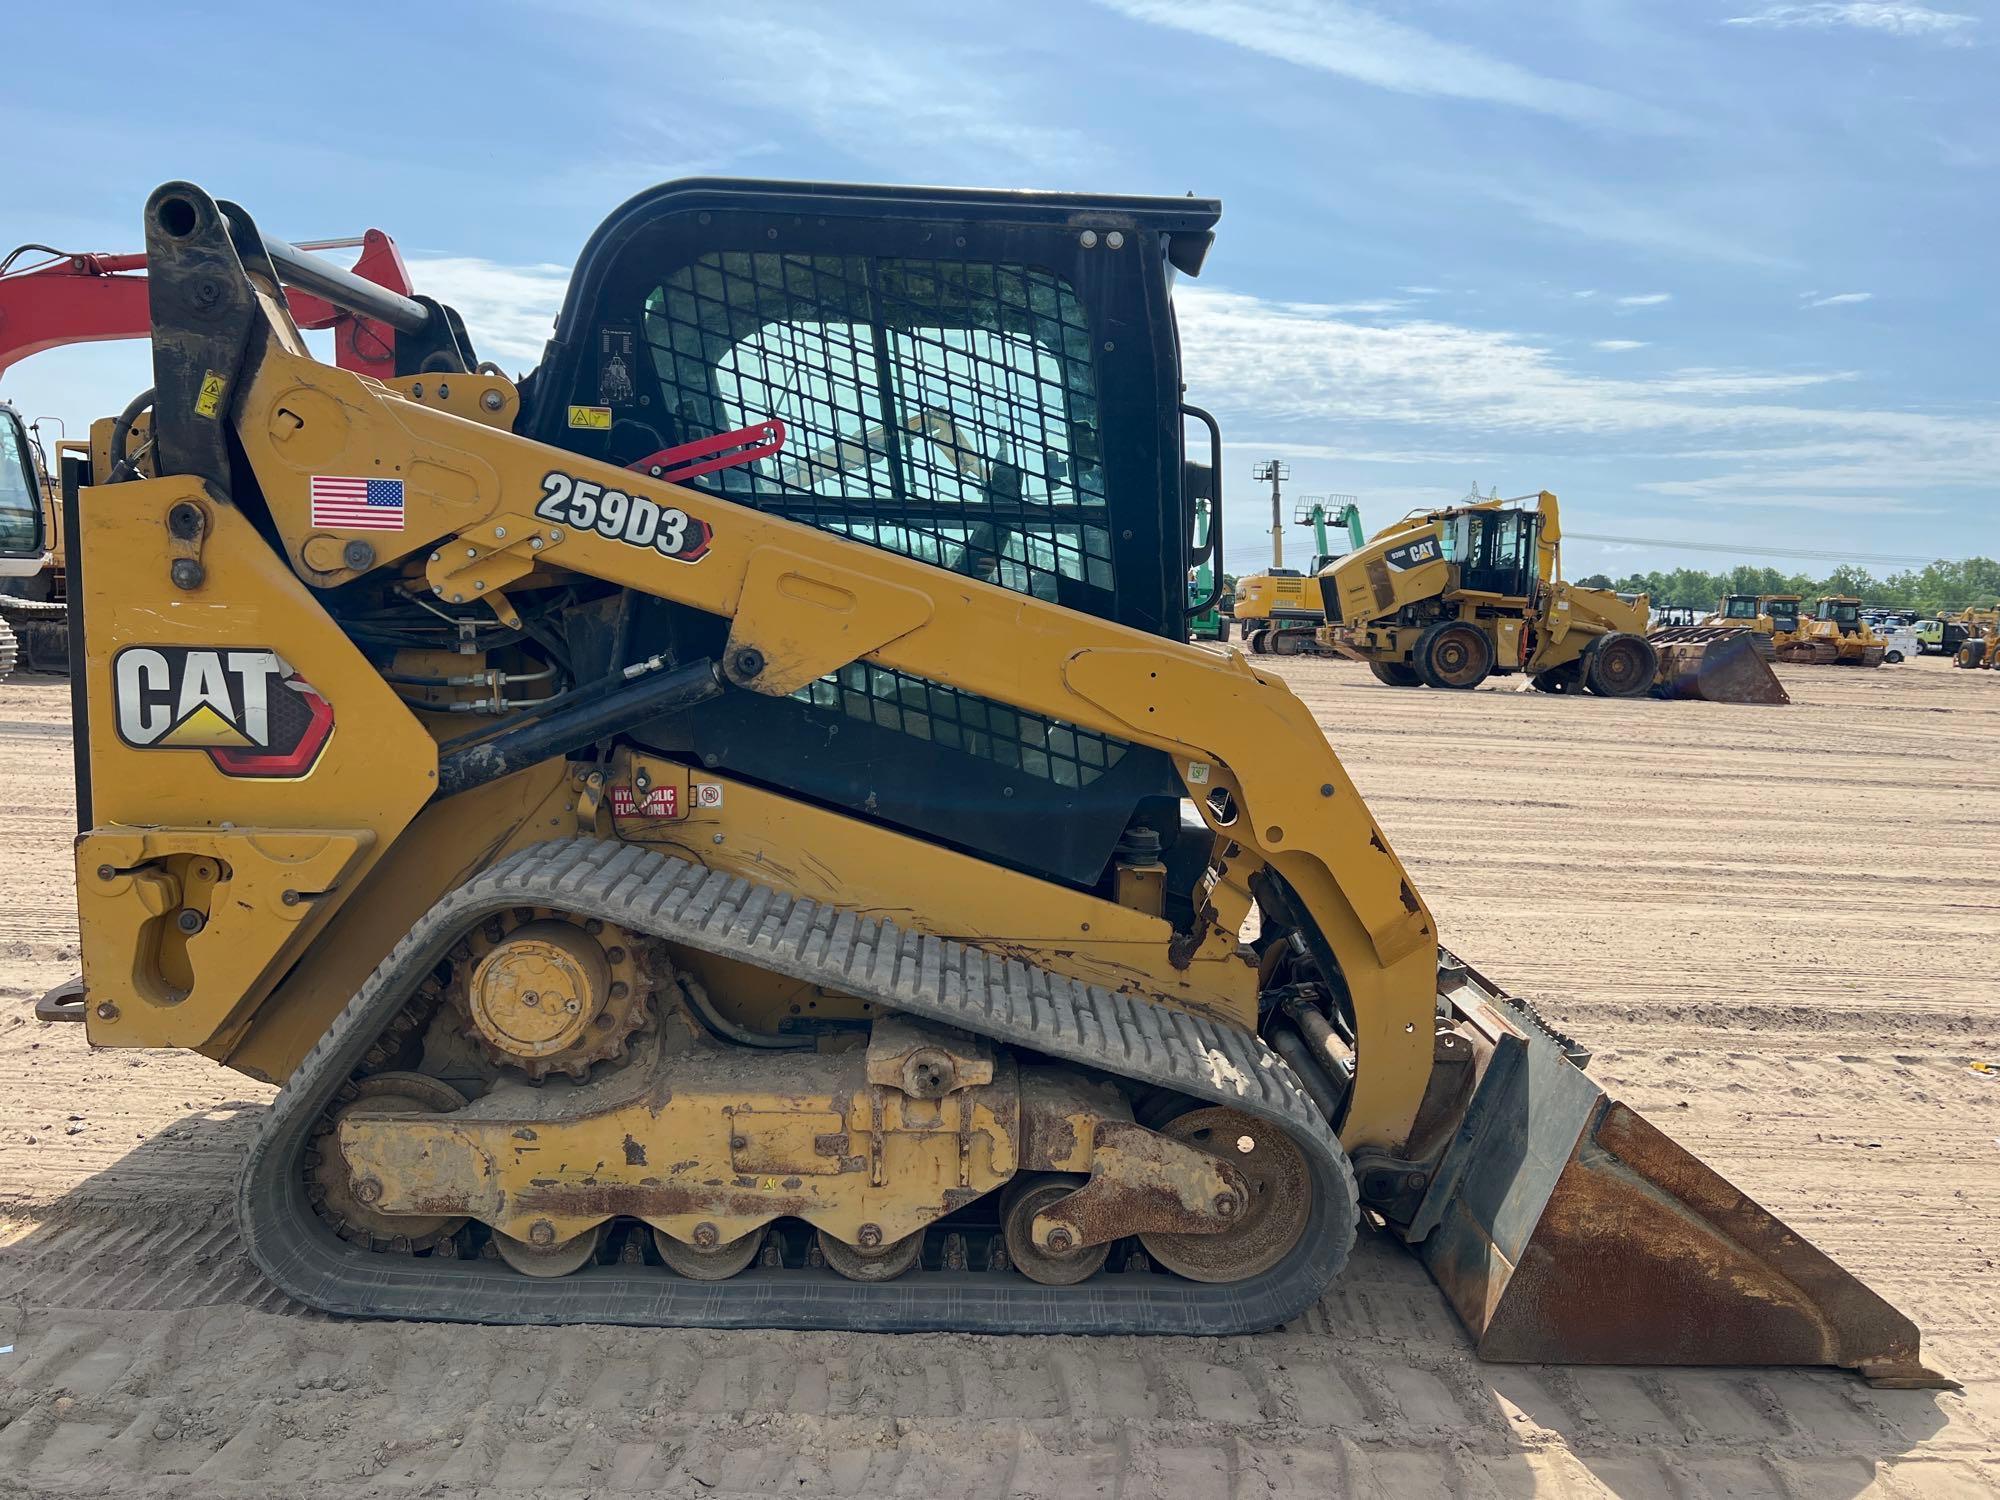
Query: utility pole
(1277, 471)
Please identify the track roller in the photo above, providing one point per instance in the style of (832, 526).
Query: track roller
(1023, 1199)
(713, 1262)
(553, 1259)
(885, 1264)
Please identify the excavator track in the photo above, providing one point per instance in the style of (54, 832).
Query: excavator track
(869, 958)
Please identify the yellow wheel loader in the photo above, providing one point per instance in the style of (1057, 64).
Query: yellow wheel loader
(1448, 598)
(1981, 646)
(684, 873)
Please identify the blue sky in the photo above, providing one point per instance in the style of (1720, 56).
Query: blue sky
(1719, 271)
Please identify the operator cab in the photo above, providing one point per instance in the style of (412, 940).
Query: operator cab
(987, 382)
(1846, 613)
(21, 541)
(1740, 607)
(1784, 613)
(1496, 550)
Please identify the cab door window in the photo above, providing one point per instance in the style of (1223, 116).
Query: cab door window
(943, 410)
(20, 492)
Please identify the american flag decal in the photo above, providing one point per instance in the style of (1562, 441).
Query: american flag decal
(344, 504)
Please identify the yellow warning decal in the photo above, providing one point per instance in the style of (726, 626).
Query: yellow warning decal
(596, 418)
(209, 401)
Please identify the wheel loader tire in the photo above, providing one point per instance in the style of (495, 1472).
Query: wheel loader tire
(1621, 665)
(1395, 674)
(1455, 655)
(1971, 654)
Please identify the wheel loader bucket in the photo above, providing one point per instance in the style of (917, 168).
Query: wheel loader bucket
(1715, 665)
(1566, 1229)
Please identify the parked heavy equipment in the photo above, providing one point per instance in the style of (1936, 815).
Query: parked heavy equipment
(29, 550)
(1448, 598)
(1281, 611)
(1835, 635)
(65, 298)
(1980, 645)
(677, 887)
(1771, 619)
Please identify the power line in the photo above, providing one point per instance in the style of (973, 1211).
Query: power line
(1730, 549)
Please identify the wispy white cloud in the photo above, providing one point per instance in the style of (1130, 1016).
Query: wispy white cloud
(872, 91)
(1646, 299)
(1838, 299)
(1334, 36)
(1895, 17)
(1422, 291)
(1463, 392)
(509, 310)
(1619, 346)
(1293, 365)
(1586, 208)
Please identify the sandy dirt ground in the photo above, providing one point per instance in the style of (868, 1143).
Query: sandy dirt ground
(1779, 927)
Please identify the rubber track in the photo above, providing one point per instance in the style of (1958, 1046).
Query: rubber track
(873, 959)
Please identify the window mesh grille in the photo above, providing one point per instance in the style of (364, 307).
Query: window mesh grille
(1031, 743)
(945, 410)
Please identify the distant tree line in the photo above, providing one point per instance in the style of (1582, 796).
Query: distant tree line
(1938, 586)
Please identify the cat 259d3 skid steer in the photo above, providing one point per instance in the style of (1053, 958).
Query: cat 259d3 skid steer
(728, 830)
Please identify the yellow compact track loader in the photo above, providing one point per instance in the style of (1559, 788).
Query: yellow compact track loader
(700, 843)
(1448, 598)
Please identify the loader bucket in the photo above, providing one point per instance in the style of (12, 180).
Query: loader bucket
(1566, 1229)
(1715, 665)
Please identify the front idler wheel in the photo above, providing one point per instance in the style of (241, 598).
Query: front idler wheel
(1452, 654)
(1273, 1168)
(1025, 1197)
(346, 1204)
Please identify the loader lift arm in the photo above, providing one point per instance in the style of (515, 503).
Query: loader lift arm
(1470, 1128)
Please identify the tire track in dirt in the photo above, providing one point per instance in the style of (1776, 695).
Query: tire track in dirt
(1775, 972)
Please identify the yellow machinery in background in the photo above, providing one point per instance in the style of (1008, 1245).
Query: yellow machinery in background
(1448, 598)
(684, 872)
(1981, 646)
(1834, 635)
(1772, 619)
(1280, 611)
(33, 630)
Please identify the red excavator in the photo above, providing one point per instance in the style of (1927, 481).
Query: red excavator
(66, 298)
